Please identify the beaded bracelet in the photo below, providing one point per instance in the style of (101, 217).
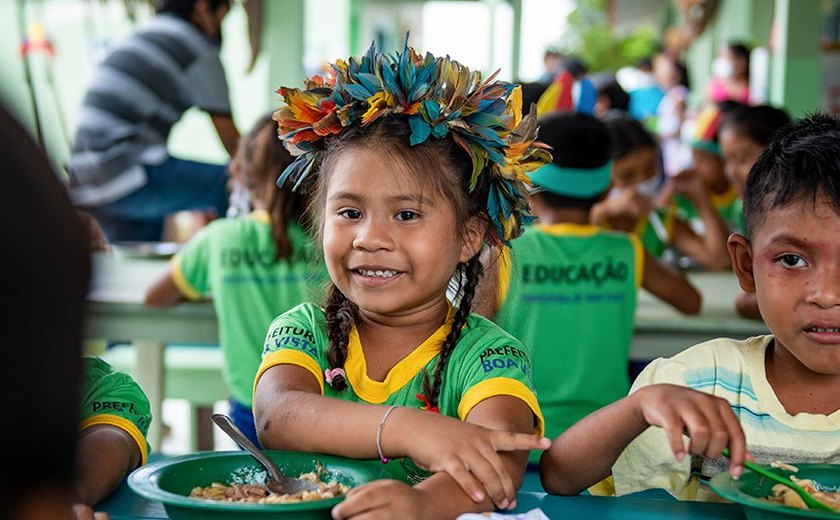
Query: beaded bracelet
(382, 457)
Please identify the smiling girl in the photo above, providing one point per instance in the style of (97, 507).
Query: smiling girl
(418, 164)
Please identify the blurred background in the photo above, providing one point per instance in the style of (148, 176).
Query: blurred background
(49, 48)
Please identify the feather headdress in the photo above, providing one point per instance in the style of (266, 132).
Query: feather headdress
(437, 96)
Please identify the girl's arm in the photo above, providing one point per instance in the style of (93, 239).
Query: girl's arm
(164, 292)
(670, 286)
(709, 249)
(291, 414)
(105, 456)
(584, 454)
(440, 496)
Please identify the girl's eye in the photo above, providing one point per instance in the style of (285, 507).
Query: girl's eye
(352, 214)
(407, 215)
(792, 260)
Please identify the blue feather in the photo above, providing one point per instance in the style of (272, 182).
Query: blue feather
(419, 130)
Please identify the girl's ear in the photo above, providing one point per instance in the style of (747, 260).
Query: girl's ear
(741, 254)
(473, 238)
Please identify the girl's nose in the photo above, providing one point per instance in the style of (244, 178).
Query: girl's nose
(373, 235)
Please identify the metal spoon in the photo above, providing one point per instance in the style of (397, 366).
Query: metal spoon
(809, 500)
(277, 482)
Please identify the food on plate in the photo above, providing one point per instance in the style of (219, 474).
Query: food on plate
(258, 493)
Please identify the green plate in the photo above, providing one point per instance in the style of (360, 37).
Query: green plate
(751, 489)
(170, 481)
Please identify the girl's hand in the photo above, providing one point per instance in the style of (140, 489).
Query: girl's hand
(689, 183)
(384, 499)
(467, 452)
(707, 420)
(622, 211)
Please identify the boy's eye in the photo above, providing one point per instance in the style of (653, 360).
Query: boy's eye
(407, 215)
(352, 214)
(792, 260)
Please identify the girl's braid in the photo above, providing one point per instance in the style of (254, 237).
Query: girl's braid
(471, 270)
(341, 314)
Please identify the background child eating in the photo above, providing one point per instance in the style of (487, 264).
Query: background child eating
(418, 164)
(783, 388)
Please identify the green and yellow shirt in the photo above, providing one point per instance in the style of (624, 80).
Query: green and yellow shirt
(233, 260)
(568, 292)
(728, 205)
(114, 398)
(486, 362)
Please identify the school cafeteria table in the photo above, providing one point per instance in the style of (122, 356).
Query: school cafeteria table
(656, 504)
(116, 312)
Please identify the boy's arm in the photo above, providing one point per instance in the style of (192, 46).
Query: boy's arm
(585, 453)
(670, 286)
(746, 304)
(710, 248)
(105, 455)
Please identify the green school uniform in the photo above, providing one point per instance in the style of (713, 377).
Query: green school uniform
(568, 292)
(727, 205)
(486, 362)
(233, 260)
(114, 398)
(654, 239)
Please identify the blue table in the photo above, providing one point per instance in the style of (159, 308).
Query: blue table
(125, 505)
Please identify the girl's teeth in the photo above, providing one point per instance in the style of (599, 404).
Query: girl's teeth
(377, 273)
(820, 329)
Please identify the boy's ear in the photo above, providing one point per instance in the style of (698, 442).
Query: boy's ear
(742, 263)
(473, 238)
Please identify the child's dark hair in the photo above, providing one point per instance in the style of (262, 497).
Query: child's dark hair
(448, 168)
(628, 134)
(801, 163)
(577, 141)
(740, 50)
(264, 159)
(758, 123)
(184, 8)
(609, 88)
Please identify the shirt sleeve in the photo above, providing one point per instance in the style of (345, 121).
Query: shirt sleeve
(498, 365)
(208, 84)
(648, 461)
(191, 266)
(291, 339)
(114, 398)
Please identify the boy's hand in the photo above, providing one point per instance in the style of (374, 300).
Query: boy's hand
(689, 183)
(707, 420)
(384, 499)
(622, 211)
(467, 452)
(84, 512)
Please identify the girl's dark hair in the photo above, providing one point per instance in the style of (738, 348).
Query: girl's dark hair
(265, 158)
(184, 8)
(628, 135)
(740, 50)
(759, 123)
(446, 166)
(802, 162)
(619, 98)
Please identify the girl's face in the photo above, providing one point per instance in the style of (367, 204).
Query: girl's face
(739, 154)
(634, 168)
(391, 242)
(710, 168)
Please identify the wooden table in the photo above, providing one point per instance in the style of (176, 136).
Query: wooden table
(116, 312)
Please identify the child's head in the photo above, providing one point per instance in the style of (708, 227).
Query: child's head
(635, 155)
(791, 259)
(609, 95)
(669, 72)
(579, 174)
(744, 134)
(259, 158)
(418, 163)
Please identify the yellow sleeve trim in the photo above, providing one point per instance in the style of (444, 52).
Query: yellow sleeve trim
(605, 488)
(501, 386)
(123, 424)
(181, 282)
(548, 100)
(505, 267)
(290, 357)
(639, 254)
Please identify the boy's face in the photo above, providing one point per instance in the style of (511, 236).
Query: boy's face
(792, 264)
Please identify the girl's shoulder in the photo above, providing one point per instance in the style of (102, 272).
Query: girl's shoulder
(306, 313)
(479, 332)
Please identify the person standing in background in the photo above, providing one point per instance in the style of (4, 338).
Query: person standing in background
(119, 166)
(731, 75)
